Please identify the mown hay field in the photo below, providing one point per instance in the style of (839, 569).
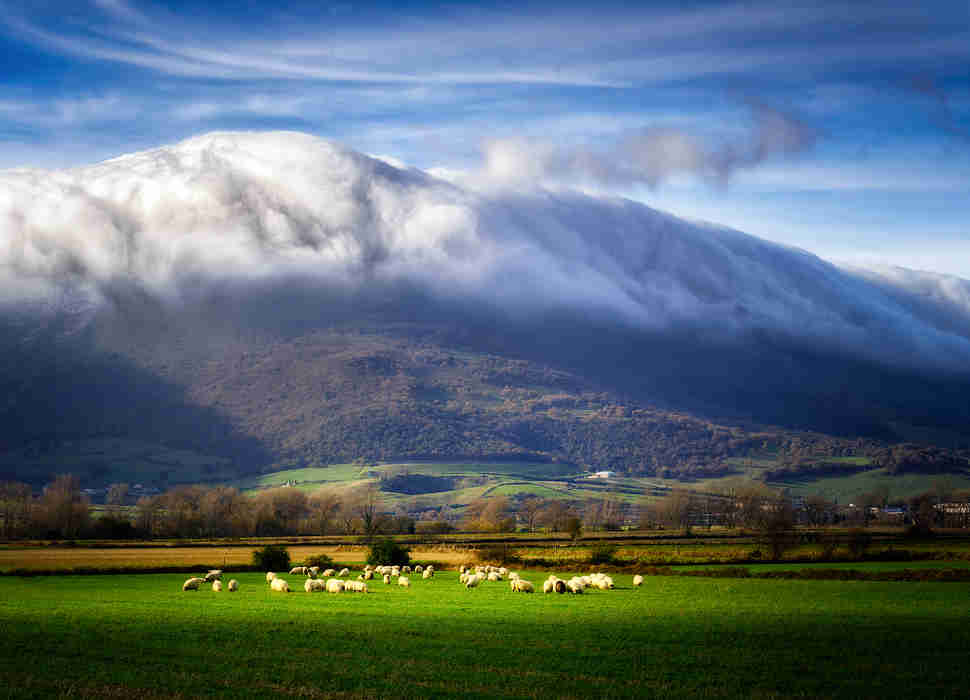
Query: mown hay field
(141, 636)
(66, 558)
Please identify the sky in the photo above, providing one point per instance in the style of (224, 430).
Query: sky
(841, 128)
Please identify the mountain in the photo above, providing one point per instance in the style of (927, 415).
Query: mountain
(261, 299)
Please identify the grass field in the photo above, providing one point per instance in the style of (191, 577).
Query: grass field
(140, 636)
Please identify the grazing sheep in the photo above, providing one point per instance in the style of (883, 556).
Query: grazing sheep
(192, 584)
(513, 574)
(395, 571)
(217, 586)
(335, 585)
(578, 581)
(343, 572)
(368, 575)
(213, 575)
(554, 583)
(494, 576)
(355, 586)
(404, 581)
(428, 573)
(278, 584)
(312, 585)
(473, 581)
(233, 585)
(601, 581)
(328, 573)
(270, 576)
(418, 569)
(387, 578)
(638, 580)
(574, 586)
(298, 571)
(405, 569)
(463, 569)
(314, 571)
(520, 585)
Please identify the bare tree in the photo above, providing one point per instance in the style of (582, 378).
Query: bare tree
(674, 509)
(363, 504)
(64, 508)
(557, 515)
(117, 493)
(15, 504)
(530, 510)
(817, 509)
(147, 514)
(324, 506)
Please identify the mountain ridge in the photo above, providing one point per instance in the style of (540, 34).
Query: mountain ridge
(272, 298)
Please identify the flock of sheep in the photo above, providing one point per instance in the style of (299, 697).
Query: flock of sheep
(331, 581)
(215, 578)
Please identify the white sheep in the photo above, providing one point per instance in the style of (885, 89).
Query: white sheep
(404, 581)
(368, 575)
(213, 575)
(217, 586)
(335, 585)
(428, 573)
(463, 569)
(343, 572)
(520, 585)
(418, 569)
(405, 569)
(314, 571)
(473, 581)
(355, 586)
(298, 571)
(328, 573)
(192, 584)
(387, 578)
(278, 584)
(233, 585)
(638, 580)
(270, 576)
(494, 576)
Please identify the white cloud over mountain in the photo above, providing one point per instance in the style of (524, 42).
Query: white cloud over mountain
(240, 209)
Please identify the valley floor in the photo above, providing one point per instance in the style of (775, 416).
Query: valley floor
(141, 636)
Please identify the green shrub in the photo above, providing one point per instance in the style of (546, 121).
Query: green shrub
(858, 542)
(387, 551)
(321, 560)
(500, 553)
(272, 557)
(603, 554)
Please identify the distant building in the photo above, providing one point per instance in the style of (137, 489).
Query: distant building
(602, 475)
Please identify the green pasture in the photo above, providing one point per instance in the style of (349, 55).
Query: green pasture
(867, 566)
(141, 636)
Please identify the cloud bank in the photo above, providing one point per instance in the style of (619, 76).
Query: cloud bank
(650, 155)
(252, 211)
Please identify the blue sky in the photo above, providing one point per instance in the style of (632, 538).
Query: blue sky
(842, 128)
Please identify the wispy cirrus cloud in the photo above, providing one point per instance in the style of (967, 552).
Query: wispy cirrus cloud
(611, 48)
